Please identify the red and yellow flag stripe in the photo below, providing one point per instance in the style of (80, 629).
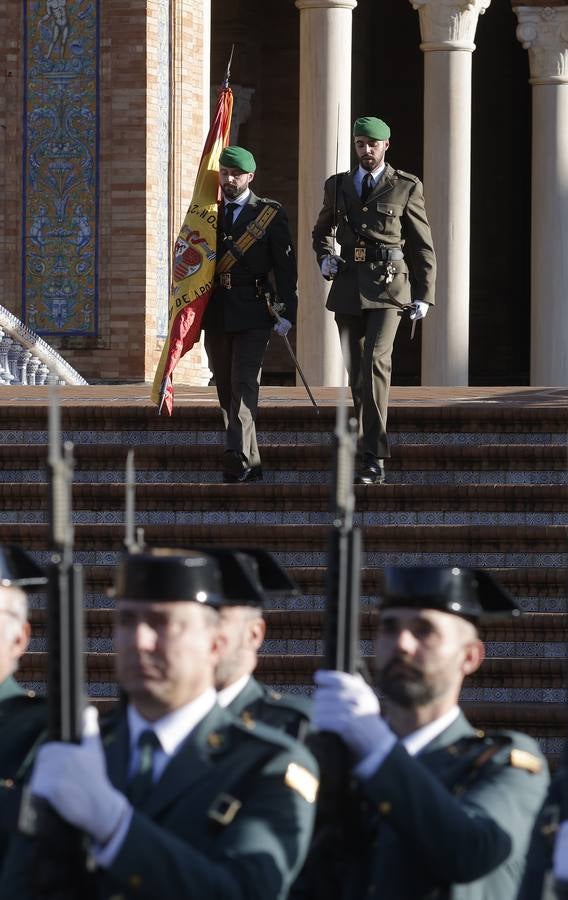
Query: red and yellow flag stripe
(194, 256)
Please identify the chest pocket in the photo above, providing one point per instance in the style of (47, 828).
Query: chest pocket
(388, 219)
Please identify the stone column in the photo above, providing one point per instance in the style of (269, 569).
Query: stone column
(543, 31)
(448, 28)
(325, 97)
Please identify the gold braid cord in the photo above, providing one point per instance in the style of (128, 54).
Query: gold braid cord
(253, 233)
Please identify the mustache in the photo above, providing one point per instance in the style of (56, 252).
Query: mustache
(403, 666)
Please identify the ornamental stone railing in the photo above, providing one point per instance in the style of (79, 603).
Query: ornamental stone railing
(26, 359)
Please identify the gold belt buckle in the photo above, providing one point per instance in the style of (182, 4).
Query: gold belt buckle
(360, 254)
(225, 280)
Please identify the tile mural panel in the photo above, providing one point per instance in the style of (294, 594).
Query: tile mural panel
(60, 178)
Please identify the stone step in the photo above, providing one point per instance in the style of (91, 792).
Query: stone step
(308, 625)
(297, 668)
(196, 458)
(307, 544)
(286, 498)
(128, 408)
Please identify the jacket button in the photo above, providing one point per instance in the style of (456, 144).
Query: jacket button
(363, 225)
(365, 209)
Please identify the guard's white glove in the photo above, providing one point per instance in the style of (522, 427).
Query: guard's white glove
(282, 326)
(348, 706)
(560, 857)
(419, 309)
(73, 779)
(330, 266)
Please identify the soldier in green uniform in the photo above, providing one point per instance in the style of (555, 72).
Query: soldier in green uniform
(546, 873)
(440, 810)
(255, 255)
(178, 798)
(250, 577)
(384, 265)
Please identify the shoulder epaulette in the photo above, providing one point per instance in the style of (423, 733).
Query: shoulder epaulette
(269, 202)
(296, 702)
(407, 175)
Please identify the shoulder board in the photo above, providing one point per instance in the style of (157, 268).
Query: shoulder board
(268, 202)
(302, 781)
(522, 759)
(407, 175)
(295, 702)
(338, 175)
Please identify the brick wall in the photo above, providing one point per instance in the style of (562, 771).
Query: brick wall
(137, 175)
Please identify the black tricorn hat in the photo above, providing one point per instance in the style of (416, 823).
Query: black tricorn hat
(18, 569)
(164, 575)
(250, 575)
(470, 593)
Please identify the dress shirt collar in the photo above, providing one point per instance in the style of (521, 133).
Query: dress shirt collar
(360, 174)
(240, 201)
(228, 694)
(419, 739)
(173, 728)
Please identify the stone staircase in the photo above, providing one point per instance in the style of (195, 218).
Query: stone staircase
(477, 477)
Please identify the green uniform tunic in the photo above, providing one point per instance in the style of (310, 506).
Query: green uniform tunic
(286, 712)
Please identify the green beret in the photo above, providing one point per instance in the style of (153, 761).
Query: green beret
(238, 158)
(371, 127)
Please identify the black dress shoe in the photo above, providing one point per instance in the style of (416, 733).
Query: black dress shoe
(250, 473)
(371, 472)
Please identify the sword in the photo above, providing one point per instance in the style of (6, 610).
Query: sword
(273, 307)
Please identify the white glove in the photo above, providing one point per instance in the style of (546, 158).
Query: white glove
(560, 857)
(330, 266)
(73, 779)
(420, 309)
(348, 706)
(282, 326)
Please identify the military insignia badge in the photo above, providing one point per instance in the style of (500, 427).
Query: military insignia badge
(303, 782)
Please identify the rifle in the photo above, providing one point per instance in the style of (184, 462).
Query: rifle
(134, 537)
(65, 617)
(332, 836)
(343, 583)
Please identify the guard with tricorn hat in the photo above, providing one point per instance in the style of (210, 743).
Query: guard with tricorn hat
(178, 797)
(23, 714)
(439, 809)
(253, 578)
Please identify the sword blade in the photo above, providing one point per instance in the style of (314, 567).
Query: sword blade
(299, 370)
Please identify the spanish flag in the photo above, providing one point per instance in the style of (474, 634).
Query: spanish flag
(194, 256)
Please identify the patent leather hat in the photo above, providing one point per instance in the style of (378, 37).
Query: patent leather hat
(18, 569)
(471, 593)
(164, 575)
(251, 575)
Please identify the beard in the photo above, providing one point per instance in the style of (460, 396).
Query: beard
(406, 686)
(232, 191)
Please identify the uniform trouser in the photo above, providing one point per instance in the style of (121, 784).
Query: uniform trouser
(236, 362)
(370, 339)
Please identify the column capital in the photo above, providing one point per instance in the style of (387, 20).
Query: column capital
(543, 31)
(325, 4)
(449, 24)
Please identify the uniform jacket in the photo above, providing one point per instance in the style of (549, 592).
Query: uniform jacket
(394, 217)
(189, 840)
(240, 308)
(23, 718)
(452, 823)
(286, 712)
(538, 881)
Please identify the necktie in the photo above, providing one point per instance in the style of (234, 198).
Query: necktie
(229, 213)
(366, 187)
(141, 783)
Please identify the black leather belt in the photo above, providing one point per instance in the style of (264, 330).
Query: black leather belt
(227, 280)
(376, 253)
